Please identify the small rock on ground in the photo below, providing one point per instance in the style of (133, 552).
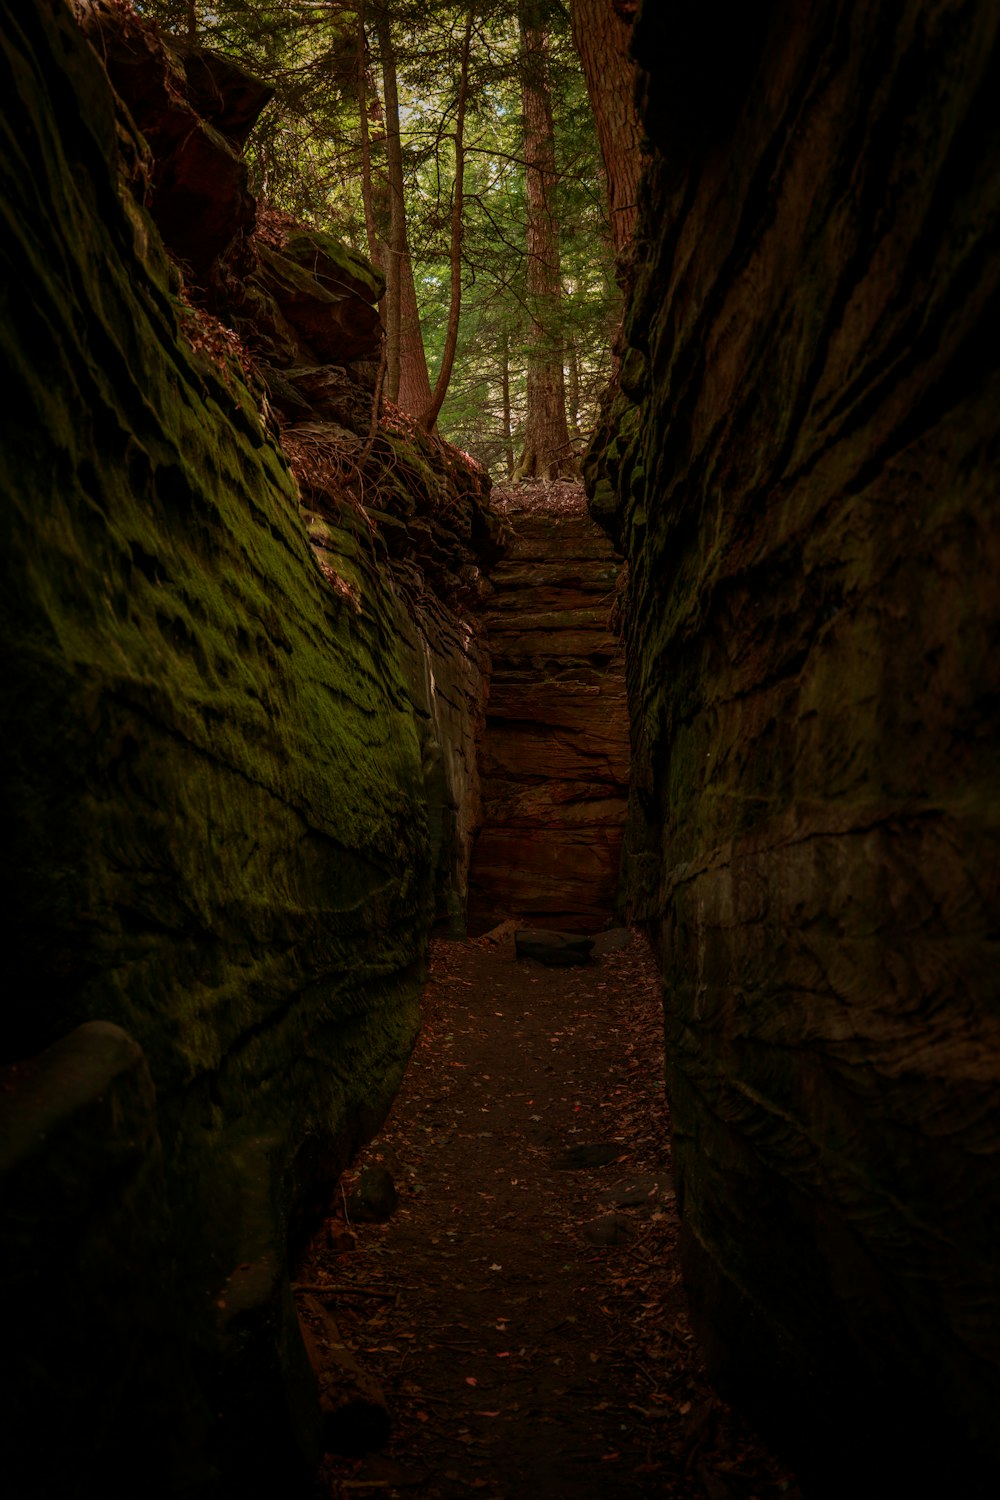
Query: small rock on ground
(610, 1229)
(375, 1198)
(557, 950)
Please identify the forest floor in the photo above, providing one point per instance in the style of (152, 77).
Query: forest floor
(522, 1309)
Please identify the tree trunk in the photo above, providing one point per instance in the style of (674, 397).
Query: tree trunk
(367, 185)
(429, 417)
(573, 391)
(602, 37)
(414, 381)
(546, 440)
(392, 248)
(407, 382)
(508, 431)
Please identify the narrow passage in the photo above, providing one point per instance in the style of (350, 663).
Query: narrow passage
(522, 1308)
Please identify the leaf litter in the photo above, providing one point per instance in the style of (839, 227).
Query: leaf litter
(521, 1352)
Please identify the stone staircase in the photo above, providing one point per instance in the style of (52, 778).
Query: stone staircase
(554, 760)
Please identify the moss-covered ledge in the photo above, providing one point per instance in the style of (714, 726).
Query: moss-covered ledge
(213, 811)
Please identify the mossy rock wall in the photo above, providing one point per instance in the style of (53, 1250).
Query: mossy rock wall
(213, 809)
(802, 469)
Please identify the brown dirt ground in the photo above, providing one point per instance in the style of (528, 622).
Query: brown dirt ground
(520, 1359)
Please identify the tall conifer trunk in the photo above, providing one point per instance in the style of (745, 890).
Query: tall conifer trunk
(547, 451)
(429, 417)
(367, 182)
(508, 431)
(407, 382)
(601, 34)
(573, 390)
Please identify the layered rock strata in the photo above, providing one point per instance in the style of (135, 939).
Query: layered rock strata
(227, 817)
(554, 759)
(805, 486)
(299, 308)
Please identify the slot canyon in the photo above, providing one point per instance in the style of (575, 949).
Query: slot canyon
(666, 785)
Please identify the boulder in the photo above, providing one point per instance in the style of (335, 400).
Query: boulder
(337, 268)
(613, 940)
(333, 395)
(221, 92)
(199, 196)
(557, 950)
(374, 1198)
(337, 323)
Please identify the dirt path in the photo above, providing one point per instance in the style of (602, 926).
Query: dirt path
(522, 1308)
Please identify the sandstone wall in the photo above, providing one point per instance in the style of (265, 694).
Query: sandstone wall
(379, 496)
(216, 808)
(803, 475)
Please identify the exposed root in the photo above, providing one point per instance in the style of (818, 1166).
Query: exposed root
(329, 468)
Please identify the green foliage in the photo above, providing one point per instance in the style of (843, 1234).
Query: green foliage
(306, 158)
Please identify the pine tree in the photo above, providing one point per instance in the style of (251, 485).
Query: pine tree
(499, 254)
(547, 451)
(601, 33)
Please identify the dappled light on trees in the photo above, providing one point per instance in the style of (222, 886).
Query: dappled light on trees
(455, 145)
(546, 452)
(602, 33)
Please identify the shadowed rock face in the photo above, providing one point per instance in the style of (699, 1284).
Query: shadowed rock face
(195, 111)
(554, 759)
(803, 476)
(226, 815)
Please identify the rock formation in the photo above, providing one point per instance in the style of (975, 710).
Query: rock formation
(237, 772)
(802, 475)
(554, 761)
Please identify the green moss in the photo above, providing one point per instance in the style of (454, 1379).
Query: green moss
(416, 473)
(213, 810)
(336, 263)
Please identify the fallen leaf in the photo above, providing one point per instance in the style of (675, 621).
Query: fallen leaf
(471, 1380)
